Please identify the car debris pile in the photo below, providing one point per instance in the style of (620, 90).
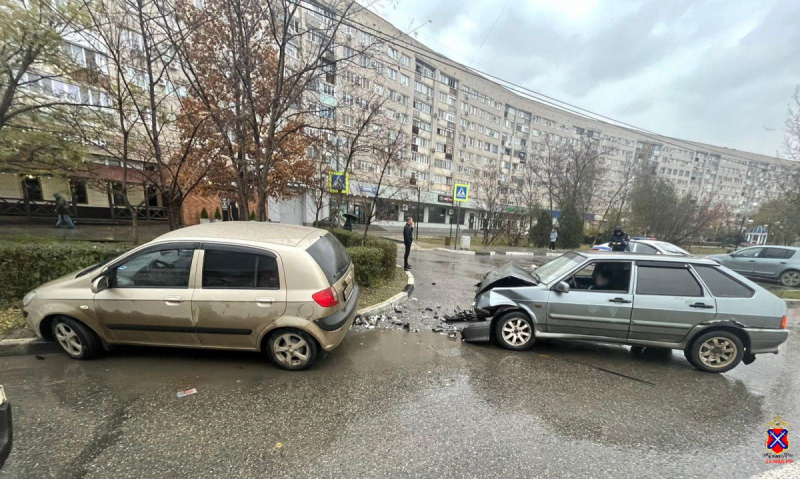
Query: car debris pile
(460, 315)
(406, 319)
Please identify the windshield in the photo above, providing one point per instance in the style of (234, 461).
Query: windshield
(550, 271)
(671, 248)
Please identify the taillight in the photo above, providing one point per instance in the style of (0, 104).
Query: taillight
(783, 322)
(326, 298)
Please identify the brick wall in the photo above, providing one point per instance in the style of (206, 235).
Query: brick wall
(194, 203)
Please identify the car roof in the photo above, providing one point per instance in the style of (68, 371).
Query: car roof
(249, 231)
(592, 254)
(796, 248)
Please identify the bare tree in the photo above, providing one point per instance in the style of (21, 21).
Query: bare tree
(492, 197)
(389, 157)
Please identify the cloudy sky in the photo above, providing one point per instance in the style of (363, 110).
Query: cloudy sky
(720, 72)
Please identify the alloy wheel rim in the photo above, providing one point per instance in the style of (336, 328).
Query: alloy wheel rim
(516, 332)
(791, 278)
(68, 339)
(291, 349)
(718, 352)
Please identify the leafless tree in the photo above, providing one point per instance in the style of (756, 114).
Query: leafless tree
(389, 157)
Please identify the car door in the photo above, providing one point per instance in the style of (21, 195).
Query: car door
(240, 291)
(591, 311)
(149, 298)
(771, 261)
(743, 261)
(668, 302)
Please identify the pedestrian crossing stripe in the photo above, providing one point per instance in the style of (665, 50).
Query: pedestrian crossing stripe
(461, 192)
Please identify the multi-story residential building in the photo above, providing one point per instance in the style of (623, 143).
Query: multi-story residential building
(461, 125)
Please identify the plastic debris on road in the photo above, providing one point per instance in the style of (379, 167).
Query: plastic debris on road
(187, 392)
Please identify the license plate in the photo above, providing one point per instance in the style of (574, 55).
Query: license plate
(348, 288)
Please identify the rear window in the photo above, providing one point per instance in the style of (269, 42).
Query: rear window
(722, 285)
(777, 253)
(666, 282)
(331, 257)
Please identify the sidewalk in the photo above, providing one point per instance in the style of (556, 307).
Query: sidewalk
(86, 232)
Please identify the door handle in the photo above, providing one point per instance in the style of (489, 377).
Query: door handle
(752, 261)
(619, 300)
(783, 262)
(265, 301)
(701, 305)
(173, 299)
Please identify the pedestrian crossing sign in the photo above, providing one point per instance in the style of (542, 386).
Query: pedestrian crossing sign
(461, 192)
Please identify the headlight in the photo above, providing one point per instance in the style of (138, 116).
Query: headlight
(28, 298)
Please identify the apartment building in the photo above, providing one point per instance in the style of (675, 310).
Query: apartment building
(461, 125)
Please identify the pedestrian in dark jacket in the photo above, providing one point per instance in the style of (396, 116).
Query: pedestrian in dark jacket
(619, 240)
(408, 238)
(62, 209)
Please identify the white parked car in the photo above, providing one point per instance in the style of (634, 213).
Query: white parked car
(648, 247)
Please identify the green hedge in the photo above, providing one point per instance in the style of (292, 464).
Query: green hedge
(367, 263)
(388, 248)
(24, 266)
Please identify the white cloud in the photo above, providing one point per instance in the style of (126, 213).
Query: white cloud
(717, 72)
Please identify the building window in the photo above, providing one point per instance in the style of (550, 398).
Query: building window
(436, 214)
(33, 188)
(117, 196)
(79, 193)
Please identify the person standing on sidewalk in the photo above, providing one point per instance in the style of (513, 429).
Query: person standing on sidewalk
(62, 208)
(408, 238)
(553, 239)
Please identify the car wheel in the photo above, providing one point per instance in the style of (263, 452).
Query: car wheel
(715, 352)
(77, 340)
(790, 278)
(514, 330)
(292, 349)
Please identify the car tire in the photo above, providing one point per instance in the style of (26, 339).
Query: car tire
(514, 330)
(790, 278)
(292, 349)
(75, 339)
(715, 351)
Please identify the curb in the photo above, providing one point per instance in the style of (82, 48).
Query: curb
(27, 346)
(390, 303)
(456, 251)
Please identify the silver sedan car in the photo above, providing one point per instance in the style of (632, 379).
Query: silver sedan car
(776, 263)
(717, 317)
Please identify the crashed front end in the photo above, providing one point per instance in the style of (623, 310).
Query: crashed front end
(502, 289)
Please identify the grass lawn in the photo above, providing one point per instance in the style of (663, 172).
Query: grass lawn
(10, 318)
(787, 293)
(383, 290)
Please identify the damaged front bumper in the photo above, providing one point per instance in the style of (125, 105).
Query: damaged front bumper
(505, 288)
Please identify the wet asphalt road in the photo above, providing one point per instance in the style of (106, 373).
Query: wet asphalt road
(389, 403)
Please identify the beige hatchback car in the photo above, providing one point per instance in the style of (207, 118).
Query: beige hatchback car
(286, 290)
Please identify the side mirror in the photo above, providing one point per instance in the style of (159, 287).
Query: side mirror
(562, 287)
(100, 283)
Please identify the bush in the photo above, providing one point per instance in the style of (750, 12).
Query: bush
(217, 215)
(540, 232)
(388, 253)
(570, 228)
(367, 263)
(252, 216)
(347, 238)
(24, 266)
(204, 214)
(388, 248)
